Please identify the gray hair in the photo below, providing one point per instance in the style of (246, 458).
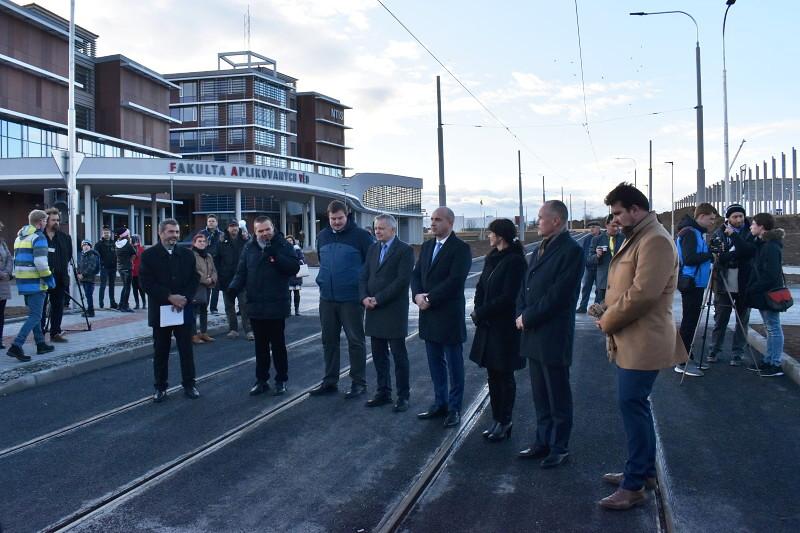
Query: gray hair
(389, 219)
(448, 213)
(167, 222)
(559, 209)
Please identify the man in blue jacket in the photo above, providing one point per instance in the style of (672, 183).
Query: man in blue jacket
(342, 249)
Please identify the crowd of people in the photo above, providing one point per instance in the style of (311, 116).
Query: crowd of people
(524, 309)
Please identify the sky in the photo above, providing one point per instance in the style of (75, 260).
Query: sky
(521, 59)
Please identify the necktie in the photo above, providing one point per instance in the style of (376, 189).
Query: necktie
(611, 245)
(384, 247)
(436, 250)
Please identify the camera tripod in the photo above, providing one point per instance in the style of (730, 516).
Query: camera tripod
(707, 303)
(81, 305)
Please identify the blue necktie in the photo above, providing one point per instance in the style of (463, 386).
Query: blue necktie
(384, 247)
(436, 251)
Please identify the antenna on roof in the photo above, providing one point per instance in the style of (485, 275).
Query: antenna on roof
(247, 34)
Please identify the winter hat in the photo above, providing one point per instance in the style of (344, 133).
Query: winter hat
(734, 208)
(86, 241)
(124, 233)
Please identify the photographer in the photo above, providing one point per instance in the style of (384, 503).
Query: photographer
(734, 247)
(693, 277)
(604, 246)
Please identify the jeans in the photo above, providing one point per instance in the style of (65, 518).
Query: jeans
(124, 297)
(107, 275)
(200, 311)
(692, 305)
(772, 323)
(444, 359)
(380, 356)
(633, 391)
(55, 297)
(88, 292)
(35, 303)
(270, 334)
(335, 316)
(230, 311)
(589, 278)
(502, 393)
(552, 398)
(722, 314)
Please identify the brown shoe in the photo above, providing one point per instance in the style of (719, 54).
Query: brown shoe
(58, 337)
(623, 499)
(206, 337)
(617, 477)
(196, 339)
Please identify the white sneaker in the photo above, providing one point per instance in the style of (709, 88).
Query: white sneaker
(690, 369)
(232, 334)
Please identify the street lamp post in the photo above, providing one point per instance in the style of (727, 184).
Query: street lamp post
(635, 167)
(701, 171)
(672, 195)
(726, 193)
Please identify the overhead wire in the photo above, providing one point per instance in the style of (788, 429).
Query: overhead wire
(583, 88)
(575, 124)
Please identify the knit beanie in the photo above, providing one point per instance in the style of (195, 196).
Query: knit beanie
(734, 208)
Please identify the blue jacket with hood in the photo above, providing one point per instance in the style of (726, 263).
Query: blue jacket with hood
(341, 257)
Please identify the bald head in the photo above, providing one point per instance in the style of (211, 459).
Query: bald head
(552, 218)
(442, 221)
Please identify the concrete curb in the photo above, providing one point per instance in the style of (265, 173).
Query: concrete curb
(791, 367)
(51, 375)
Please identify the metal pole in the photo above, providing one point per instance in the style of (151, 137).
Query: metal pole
(172, 197)
(543, 200)
(772, 189)
(650, 178)
(783, 184)
(521, 213)
(701, 170)
(672, 197)
(794, 178)
(72, 181)
(725, 108)
(440, 135)
(570, 211)
(756, 197)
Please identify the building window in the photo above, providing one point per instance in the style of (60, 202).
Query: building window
(270, 161)
(209, 115)
(209, 138)
(85, 77)
(84, 118)
(236, 115)
(236, 136)
(236, 86)
(264, 116)
(208, 90)
(188, 114)
(299, 165)
(264, 139)
(188, 91)
(330, 171)
(270, 92)
(394, 198)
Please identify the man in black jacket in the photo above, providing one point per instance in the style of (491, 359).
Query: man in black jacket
(545, 317)
(213, 236)
(437, 285)
(108, 266)
(125, 254)
(732, 274)
(169, 277)
(227, 260)
(268, 263)
(383, 287)
(59, 254)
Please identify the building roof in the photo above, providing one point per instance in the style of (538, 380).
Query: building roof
(328, 99)
(130, 64)
(43, 14)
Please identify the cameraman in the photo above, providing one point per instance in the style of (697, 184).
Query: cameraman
(735, 246)
(693, 277)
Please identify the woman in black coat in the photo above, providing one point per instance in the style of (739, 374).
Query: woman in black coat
(496, 343)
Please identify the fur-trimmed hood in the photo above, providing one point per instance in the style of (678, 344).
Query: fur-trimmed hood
(776, 234)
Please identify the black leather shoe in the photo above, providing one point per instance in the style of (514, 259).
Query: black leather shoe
(401, 406)
(191, 392)
(43, 347)
(534, 452)
(554, 459)
(259, 388)
(378, 400)
(17, 352)
(453, 419)
(490, 429)
(280, 388)
(433, 412)
(322, 389)
(501, 432)
(355, 391)
(159, 396)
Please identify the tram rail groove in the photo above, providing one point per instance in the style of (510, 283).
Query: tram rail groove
(131, 405)
(157, 475)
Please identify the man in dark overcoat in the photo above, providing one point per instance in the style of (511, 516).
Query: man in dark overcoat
(168, 274)
(603, 248)
(383, 287)
(545, 315)
(437, 285)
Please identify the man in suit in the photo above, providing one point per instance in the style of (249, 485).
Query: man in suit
(547, 320)
(383, 288)
(603, 248)
(169, 276)
(437, 285)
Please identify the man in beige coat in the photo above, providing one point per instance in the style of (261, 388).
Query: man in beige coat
(642, 338)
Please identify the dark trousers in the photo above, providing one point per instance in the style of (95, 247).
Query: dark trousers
(107, 276)
(296, 298)
(333, 317)
(162, 339)
(55, 308)
(380, 356)
(589, 278)
(88, 293)
(270, 334)
(692, 304)
(2, 318)
(214, 299)
(444, 359)
(124, 296)
(201, 312)
(600, 296)
(722, 314)
(502, 393)
(230, 310)
(633, 389)
(138, 292)
(552, 398)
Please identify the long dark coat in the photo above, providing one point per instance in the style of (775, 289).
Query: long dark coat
(443, 280)
(265, 275)
(496, 342)
(162, 274)
(547, 301)
(388, 283)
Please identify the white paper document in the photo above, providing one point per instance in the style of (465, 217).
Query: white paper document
(170, 317)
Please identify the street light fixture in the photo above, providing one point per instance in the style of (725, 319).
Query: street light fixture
(701, 171)
(635, 166)
(726, 192)
(672, 195)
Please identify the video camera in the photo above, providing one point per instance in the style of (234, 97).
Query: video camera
(717, 245)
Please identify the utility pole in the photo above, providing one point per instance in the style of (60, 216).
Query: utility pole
(440, 134)
(72, 178)
(650, 178)
(543, 200)
(521, 217)
(570, 212)
(562, 194)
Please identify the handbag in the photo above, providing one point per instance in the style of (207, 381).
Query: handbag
(685, 283)
(779, 299)
(201, 296)
(303, 272)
